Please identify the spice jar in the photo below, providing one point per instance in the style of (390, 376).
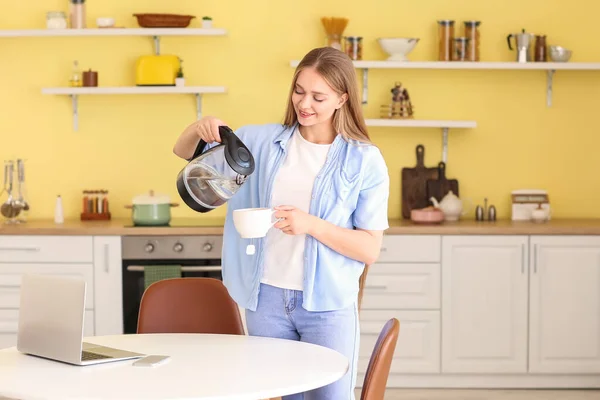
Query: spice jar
(472, 33)
(56, 20)
(461, 45)
(445, 37)
(540, 48)
(334, 40)
(353, 47)
(90, 78)
(77, 14)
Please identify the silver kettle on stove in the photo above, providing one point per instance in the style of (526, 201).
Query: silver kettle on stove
(215, 176)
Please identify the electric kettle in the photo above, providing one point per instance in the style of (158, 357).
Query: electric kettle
(215, 176)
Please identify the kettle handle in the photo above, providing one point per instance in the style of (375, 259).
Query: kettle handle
(508, 40)
(237, 154)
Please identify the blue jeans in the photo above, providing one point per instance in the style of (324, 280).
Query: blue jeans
(280, 314)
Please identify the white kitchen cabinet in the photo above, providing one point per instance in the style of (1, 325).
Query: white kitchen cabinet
(108, 285)
(484, 304)
(418, 347)
(11, 275)
(9, 324)
(46, 249)
(564, 325)
(404, 284)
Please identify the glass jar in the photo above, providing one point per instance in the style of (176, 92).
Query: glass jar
(334, 40)
(461, 45)
(445, 37)
(56, 20)
(77, 14)
(353, 47)
(472, 33)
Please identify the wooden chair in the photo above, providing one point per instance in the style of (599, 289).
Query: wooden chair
(380, 362)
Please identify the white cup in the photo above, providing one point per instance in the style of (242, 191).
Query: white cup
(253, 222)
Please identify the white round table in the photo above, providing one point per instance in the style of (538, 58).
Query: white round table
(206, 367)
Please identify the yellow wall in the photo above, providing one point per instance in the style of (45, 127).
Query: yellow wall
(124, 142)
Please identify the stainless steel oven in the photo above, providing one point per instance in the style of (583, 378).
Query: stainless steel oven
(198, 256)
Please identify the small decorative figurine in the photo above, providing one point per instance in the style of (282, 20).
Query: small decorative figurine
(401, 106)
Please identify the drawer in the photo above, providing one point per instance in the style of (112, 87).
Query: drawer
(410, 248)
(11, 274)
(418, 346)
(76, 249)
(9, 326)
(402, 286)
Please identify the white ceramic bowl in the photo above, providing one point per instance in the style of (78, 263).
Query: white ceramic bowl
(105, 22)
(398, 48)
(559, 54)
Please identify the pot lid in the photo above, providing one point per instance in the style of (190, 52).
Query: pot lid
(152, 198)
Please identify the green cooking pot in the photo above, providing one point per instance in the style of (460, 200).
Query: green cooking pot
(151, 210)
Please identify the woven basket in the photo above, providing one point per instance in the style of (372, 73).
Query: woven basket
(163, 20)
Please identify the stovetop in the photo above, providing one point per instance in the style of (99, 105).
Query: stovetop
(183, 223)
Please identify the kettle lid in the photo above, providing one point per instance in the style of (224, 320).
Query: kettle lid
(237, 154)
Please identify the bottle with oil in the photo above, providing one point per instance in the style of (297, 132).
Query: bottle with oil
(75, 80)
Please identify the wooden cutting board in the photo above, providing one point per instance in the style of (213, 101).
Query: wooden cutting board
(414, 184)
(439, 187)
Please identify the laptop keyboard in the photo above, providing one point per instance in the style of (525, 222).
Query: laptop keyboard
(87, 356)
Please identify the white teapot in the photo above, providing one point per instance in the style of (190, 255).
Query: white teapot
(451, 206)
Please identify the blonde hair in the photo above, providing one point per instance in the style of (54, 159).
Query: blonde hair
(339, 73)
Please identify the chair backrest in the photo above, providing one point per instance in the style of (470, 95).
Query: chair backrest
(381, 360)
(189, 305)
(361, 286)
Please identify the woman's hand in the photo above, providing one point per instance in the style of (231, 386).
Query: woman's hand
(207, 129)
(295, 221)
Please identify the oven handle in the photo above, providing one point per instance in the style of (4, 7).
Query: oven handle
(199, 268)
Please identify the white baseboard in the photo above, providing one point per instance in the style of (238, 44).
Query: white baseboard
(491, 381)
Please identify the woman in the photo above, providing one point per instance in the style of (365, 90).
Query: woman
(330, 187)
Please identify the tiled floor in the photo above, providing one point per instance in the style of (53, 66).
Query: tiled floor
(459, 394)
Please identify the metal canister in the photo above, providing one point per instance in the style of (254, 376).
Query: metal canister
(492, 213)
(479, 213)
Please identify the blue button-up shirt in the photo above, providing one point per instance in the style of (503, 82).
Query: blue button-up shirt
(351, 191)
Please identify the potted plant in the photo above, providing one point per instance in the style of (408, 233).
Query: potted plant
(206, 22)
(180, 80)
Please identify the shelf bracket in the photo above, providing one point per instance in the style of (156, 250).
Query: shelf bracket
(198, 105)
(365, 93)
(156, 45)
(445, 145)
(75, 112)
(549, 76)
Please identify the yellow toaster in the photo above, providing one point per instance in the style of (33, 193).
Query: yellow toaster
(156, 70)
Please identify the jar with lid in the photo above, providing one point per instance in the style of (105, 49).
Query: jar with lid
(461, 44)
(77, 14)
(56, 20)
(334, 40)
(472, 33)
(353, 47)
(445, 37)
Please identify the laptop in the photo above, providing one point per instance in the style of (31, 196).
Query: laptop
(51, 318)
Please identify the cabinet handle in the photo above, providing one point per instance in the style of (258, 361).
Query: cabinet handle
(106, 256)
(20, 249)
(378, 287)
(523, 258)
(535, 258)
(202, 268)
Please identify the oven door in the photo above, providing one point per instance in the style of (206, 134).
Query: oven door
(134, 286)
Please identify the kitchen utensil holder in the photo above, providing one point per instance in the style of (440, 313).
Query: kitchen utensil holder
(95, 216)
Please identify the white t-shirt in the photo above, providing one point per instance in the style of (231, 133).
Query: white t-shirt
(293, 185)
